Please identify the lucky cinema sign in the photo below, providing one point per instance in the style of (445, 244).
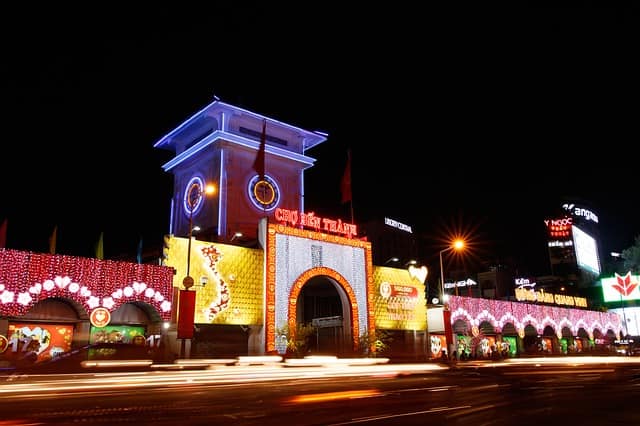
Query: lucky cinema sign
(100, 317)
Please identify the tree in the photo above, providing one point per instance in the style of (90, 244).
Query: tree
(631, 257)
(373, 345)
(298, 343)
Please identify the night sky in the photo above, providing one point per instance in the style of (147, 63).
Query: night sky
(472, 121)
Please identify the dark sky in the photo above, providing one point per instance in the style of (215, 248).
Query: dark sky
(473, 120)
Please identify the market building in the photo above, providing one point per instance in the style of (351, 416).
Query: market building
(248, 270)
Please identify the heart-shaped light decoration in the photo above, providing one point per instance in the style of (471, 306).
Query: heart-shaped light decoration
(62, 282)
(418, 273)
(139, 287)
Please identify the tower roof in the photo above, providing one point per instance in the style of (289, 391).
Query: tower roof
(218, 115)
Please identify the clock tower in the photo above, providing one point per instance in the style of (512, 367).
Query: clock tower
(218, 146)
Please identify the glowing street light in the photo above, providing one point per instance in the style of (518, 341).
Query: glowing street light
(186, 301)
(457, 246)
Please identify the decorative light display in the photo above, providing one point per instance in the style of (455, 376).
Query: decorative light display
(334, 257)
(221, 303)
(499, 313)
(559, 228)
(27, 278)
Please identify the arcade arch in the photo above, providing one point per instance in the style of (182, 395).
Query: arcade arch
(323, 303)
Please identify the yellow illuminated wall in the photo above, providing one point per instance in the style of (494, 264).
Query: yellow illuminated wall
(233, 291)
(398, 300)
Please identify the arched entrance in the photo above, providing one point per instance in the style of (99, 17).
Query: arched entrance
(323, 304)
(530, 340)
(316, 292)
(52, 326)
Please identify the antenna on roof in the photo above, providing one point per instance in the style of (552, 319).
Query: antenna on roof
(215, 98)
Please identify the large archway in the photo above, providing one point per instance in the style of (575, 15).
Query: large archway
(323, 299)
(321, 303)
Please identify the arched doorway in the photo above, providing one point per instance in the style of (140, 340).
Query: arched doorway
(548, 341)
(530, 340)
(583, 342)
(324, 305)
(128, 321)
(51, 327)
(511, 343)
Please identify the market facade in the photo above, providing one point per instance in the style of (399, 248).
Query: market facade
(50, 304)
(265, 275)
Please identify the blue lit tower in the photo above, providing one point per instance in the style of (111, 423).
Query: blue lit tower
(219, 145)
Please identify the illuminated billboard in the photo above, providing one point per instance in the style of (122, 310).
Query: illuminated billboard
(44, 341)
(399, 302)
(586, 250)
(559, 229)
(618, 288)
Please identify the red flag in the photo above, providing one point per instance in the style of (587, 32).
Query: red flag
(345, 184)
(52, 240)
(3, 234)
(258, 164)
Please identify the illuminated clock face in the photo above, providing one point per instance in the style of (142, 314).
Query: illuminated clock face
(264, 193)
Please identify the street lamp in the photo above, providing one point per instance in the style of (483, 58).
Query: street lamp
(186, 301)
(193, 196)
(457, 245)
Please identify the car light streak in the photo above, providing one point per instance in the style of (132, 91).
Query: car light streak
(332, 396)
(573, 372)
(392, 416)
(88, 382)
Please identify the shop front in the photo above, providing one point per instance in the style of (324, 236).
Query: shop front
(486, 328)
(50, 304)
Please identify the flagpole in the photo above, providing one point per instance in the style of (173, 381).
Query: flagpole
(345, 185)
(259, 164)
(351, 208)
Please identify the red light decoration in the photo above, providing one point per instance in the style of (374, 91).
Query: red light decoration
(559, 228)
(499, 313)
(27, 278)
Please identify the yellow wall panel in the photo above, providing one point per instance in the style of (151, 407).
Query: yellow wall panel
(233, 292)
(398, 300)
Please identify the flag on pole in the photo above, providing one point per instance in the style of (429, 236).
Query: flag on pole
(139, 253)
(3, 234)
(258, 164)
(100, 247)
(52, 240)
(345, 183)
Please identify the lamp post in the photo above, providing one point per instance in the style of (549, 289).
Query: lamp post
(194, 194)
(457, 245)
(446, 314)
(186, 301)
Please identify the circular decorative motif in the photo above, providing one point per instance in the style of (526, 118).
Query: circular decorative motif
(100, 317)
(385, 290)
(4, 343)
(187, 282)
(264, 193)
(193, 194)
(475, 331)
